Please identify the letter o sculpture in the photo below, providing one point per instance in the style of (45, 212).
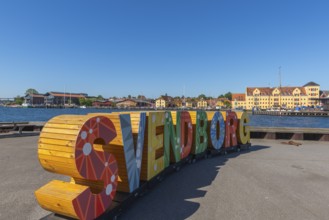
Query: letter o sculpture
(217, 118)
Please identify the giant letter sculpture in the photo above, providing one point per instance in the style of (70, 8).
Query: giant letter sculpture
(66, 146)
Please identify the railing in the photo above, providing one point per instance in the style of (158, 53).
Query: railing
(290, 133)
(6, 127)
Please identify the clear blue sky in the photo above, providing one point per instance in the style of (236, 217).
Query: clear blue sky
(129, 47)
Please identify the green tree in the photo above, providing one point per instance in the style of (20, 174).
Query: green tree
(99, 97)
(221, 96)
(89, 102)
(227, 104)
(86, 101)
(31, 91)
(82, 101)
(228, 96)
(202, 96)
(19, 100)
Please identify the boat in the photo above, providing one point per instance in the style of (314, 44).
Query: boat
(26, 105)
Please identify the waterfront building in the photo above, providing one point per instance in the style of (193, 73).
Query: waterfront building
(279, 97)
(239, 101)
(222, 102)
(103, 104)
(189, 103)
(313, 93)
(133, 103)
(126, 103)
(61, 98)
(178, 102)
(212, 103)
(324, 94)
(202, 104)
(34, 99)
(164, 101)
(324, 100)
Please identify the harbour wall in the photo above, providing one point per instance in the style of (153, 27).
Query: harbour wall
(294, 113)
(290, 133)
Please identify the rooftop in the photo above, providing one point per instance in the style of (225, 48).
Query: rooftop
(311, 84)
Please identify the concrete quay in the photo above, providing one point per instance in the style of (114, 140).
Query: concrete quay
(270, 181)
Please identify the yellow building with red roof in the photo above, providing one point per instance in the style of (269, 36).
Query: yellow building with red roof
(280, 97)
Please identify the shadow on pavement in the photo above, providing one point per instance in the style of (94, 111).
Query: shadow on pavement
(171, 199)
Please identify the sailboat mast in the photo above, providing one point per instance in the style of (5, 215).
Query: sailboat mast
(184, 95)
(280, 87)
(64, 96)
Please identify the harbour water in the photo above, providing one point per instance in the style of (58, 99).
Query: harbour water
(43, 115)
(8, 114)
(289, 121)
